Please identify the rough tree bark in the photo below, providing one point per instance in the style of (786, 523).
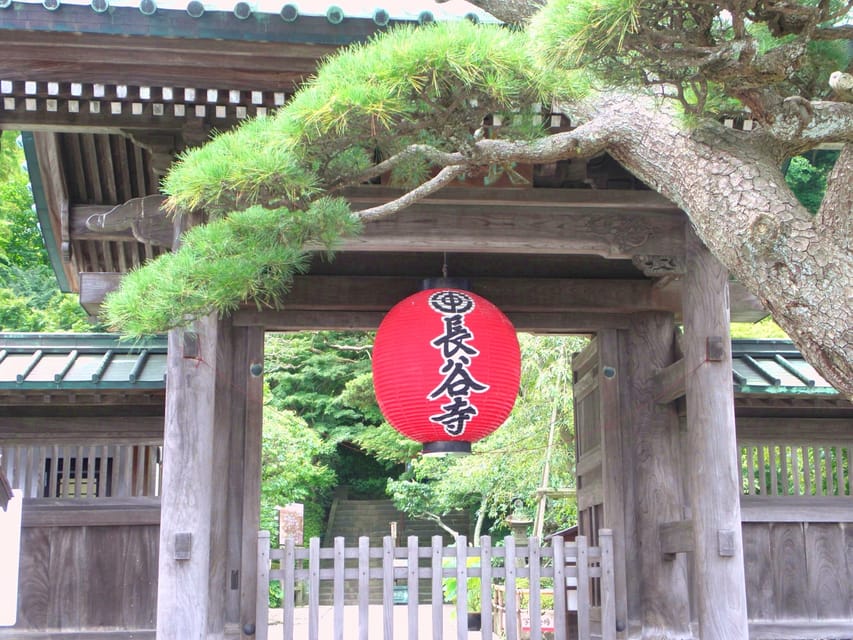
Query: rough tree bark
(731, 188)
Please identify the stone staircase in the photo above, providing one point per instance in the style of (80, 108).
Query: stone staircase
(351, 519)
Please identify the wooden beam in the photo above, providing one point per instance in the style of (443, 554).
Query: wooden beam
(285, 320)
(143, 218)
(85, 512)
(795, 430)
(668, 382)
(581, 222)
(713, 460)
(89, 431)
(802, 630)
(797, 509)
(613, 224)
(380, 293)
(675, 537)
(52, 173)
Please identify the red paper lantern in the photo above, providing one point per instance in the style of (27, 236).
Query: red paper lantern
(446, 368)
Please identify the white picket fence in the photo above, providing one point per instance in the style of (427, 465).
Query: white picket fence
(586, 572)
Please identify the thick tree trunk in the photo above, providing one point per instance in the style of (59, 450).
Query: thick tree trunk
(741, 208)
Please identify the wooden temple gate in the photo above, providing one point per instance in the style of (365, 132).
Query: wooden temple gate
(111, 97)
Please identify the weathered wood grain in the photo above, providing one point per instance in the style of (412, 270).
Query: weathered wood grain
(35, 579)
(617, 461)
(250, 356)
(790, 585)
(829, 588)
(797, 509)
(758, 560)
(68, 561)
(657, 483)
(188, 481)
(712, 455)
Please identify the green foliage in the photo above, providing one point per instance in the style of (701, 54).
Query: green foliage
(685, 47)
(308, 372)
(250, 255)
(29, 297)
(807, 177)
(311, 374)
(262, 184)
(450, 586)
(377, 438)
(291, 471)
(572, 32)
(765, 328)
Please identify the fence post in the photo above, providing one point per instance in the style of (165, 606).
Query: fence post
(561, 609)
(263, 586)
(287, 595)
(608, 595)
(583, 588)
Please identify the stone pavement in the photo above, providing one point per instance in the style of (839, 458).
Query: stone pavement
(300, 628)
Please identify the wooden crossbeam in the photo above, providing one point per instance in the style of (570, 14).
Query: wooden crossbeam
(620, 224)
(669, 382)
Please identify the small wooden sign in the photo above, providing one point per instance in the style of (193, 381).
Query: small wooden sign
(291, 520)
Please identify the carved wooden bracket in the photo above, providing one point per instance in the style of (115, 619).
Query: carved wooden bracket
(663, 268)
(143, 216)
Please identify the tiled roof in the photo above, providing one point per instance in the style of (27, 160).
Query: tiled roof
(336, 12)
(80, 361)
(776, 367)
(87, 361)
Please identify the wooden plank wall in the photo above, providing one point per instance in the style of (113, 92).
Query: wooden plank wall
(798, 524)
(87, 578)
(799, 571)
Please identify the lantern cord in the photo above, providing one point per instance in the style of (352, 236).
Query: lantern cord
(444, 266)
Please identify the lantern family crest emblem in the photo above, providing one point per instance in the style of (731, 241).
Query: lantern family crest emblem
(446, 368)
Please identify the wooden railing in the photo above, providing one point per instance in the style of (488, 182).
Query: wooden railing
(487, 568)
(83, 471)
(795, 469)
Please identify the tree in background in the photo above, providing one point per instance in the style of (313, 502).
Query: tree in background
(29, 297)
(292, 471)
(647, 82)
(308, 374)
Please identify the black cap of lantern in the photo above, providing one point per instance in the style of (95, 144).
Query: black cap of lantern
(446, 448)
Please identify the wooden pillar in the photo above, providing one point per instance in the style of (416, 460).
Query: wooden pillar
(211, 482)
(616, 453)
(188, 483)
(661, 582)
(711, 449)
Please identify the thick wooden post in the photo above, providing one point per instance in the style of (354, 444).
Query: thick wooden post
(712, 449)
(188, 483)
(661, 583)
(211, 482)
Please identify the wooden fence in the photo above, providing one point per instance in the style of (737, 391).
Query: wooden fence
(529, 569)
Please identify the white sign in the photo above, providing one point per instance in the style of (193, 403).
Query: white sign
(10, 553)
